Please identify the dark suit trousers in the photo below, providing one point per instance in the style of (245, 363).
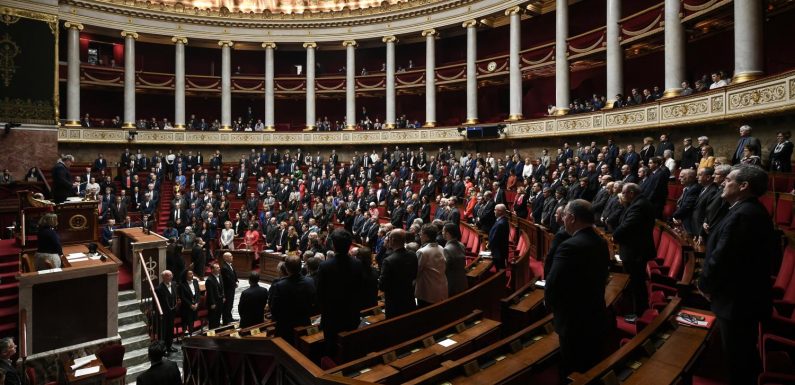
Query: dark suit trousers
(167, 328)
(214, 316)
(189, 318)
(229, 294)
(579, 352)
(739, 338)
(637, 285)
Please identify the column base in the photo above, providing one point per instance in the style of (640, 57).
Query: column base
(270, 128)
(609, 105)
(671, 93)
(515, 117)
(309, 128)
(350, 127)
(560, 111)
(471, 121)
(746, 76)
(389, 126)
(429, 124)
(128, 126)
(226, 128)
(72, 123)
(179, 127)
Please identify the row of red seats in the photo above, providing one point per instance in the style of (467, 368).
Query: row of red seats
(777, 337)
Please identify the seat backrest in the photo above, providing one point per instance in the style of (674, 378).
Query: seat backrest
(30, 373)
(785, 272)
(657, 234)
(767, 201)
(27, 263)
(465, 234)
(784, 211)
(112, 356)
(677, 262)
(662, 250)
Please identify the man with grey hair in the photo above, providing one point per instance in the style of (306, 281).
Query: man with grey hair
(687, 201)
(708, 188)
(717, 207)
(636, 245)
(498, 237)
(167, 295)
(7, 350)
(62, 179)
(746, 230)
(746, 140)
(575, 290)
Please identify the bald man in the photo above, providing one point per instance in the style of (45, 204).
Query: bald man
(167, 295)
(498, 237)
(229, 280)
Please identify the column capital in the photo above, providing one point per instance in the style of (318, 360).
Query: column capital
(132, 34)
(389, 39)
(179, 39)
(269, 44)
(430, 32)
(73, 24)
(347, 43)
(310, 44)
(512, 11)
(226, 43)
(470, 23)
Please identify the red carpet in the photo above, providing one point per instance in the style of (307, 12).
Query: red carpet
(9, 288)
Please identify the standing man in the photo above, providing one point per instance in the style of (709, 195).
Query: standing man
(687, 202)
(398, 272)
(62, 179)
(746, 140)
(339, 280)
(498, 237)
(167, 295)
(292, 300)
(160, 372)
(575, 290)
(635, 242)
(252, 302)
(229, 279)
(215, 296)
(745, 231)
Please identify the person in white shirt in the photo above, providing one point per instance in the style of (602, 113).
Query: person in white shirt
(167, 125)
(529, 168)
(259, 126)
(431, 283)
(717, 81)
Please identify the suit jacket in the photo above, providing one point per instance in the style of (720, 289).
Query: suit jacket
(186, 296)
(690, 157)
(338, 280)
(164, 372)
(700, 208)
(62, 182)
(397, 217)
(228, 277)
(575, 285)
(292, 303)
(168, 300)
(398, 272)
(498, 241)
(454, 216)
(215, 293)
(736, 271)
(685, 206)
(252, 306)
(12, 376)
(634, 232)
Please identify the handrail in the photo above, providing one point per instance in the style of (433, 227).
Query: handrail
(46, 184)
(23, 334)
(151, 286)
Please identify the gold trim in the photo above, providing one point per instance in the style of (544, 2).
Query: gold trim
(180, 127)
(180, 39)
(748, 76)
(226, 43)
(73, 24)
(471, 121)
(431, 32)
(469, 23)
(349, 127)
(389, 39)
(349, 42)
(671, 92)
(24, 13)
(429, 124)
(389, 126)
(270, 128)
(72, 123)
(309, 128)
(226, 128)
(128, 125)
(561, 111)
(269, 44)
(310, 44)
(132, 34)
(515, 117)
(513, 10)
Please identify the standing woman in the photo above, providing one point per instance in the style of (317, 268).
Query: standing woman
(292, 239)
(48, 254)
(252, 238)
(781, 156)
(647, 152)
(228, 236)
(190, 295)
(455, 255)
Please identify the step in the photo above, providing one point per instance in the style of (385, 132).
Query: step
(9, 300)
(9, 288)
(136, 342)
(135, 371)
(126, 295)
(11, 266)
(136, 357)
(125, 306)
(133, 329)
(9, 311)
(130, 317)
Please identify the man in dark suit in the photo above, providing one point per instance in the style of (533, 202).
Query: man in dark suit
(190, 296)
(690, 155)
(739, 288)
(636, 245)
(63, 182)
(229, 280)
(398, 214)
(665, 144)
(686, 203)
(252, 302)
(215, 296)
(498, 237)
(398, 272)
(453, 215)
(485, 216)
(160, 372)
(338, 280)
(656, 189)
(575, 290)
(167, 295)
(708, 190)
(746, 140)
(292, 300)
(7, 351)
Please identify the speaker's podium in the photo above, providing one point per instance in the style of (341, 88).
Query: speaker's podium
(72, 305)
(129, 243)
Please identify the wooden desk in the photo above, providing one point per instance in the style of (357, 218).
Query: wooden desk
(615, 286)
(269, 265)
(127, 243)
(243, 261)
(477, 269)
(75, 305)
(93, 378)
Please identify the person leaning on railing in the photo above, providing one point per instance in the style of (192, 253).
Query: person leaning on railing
(48, 254)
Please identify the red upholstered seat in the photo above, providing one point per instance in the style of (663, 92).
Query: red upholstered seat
(768, 201)
(784, 211)
(112, 357)
(785, 273)
(675, 191)
(656, 234)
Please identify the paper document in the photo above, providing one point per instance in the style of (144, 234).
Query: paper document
(86, 371)
(541, 283)
(76, 255)
(47, 271)
(82, 361)
(447, 342)
(78, 260)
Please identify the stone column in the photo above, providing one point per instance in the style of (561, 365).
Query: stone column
(179, 82)
(350, 84)
(129, 78)
(615, 55)
(748, 29)
(562, 97)
(514, 67)
(674, 49)
(430, 77)
(226, 84)
(472, 71)
(269, 93)
(73, 77)
(310, 85)
(389, 121)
